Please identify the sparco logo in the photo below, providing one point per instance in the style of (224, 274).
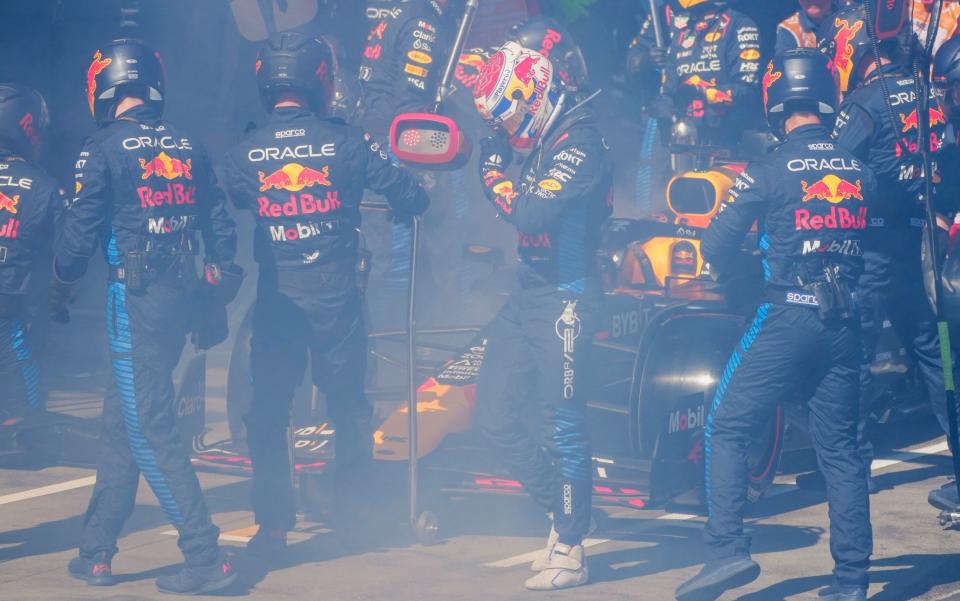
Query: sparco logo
(681, 421)
(802, 298)
(568, 328)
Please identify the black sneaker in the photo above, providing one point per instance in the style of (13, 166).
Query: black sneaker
(95, 570)
(199, 580)
(718, 576)
(267, 543)
(945, 498)
(835, 592)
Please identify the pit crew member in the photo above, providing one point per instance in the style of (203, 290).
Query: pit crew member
(303, 176)
(891, 286)
(712, 73)
(29, 203)
(811, 200)
(144, 191)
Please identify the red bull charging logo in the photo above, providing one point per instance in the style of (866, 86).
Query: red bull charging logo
(713, 94)
(937, 117)
(769, 78)
(96, 67)
(843, 55)
(165, 166)
(9, 203)
(294, 177)
(831, 189)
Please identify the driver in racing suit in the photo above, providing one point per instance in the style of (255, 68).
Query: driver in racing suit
(29, 201)
(539, 342)
(303, 176)
(812, 201)
(144, 191)
(712, 73)
(892, 284)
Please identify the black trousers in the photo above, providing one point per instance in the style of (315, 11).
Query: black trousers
(788, 348)
(531, 399)
(892, 287)
(310, 314)
(146, 332)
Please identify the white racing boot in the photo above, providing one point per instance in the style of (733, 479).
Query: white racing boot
(565, 568)
(540, 563)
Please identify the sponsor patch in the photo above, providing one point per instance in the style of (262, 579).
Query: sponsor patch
(420, 57)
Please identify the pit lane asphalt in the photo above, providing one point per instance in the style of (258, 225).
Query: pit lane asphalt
(638, 554)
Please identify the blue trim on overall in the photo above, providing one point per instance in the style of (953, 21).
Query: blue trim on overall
(28, 368)
(764, 244)
(121, 349)
(569, 438)
(745, 343)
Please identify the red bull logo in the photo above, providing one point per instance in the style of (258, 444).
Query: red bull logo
(96, 67)
(843, 54)
(937, 117)
(831, 189)
(837, 218)
(522, 80)
(769, 78)
(699, 82)
(294, 177)
(165, 166)
(9, 203)
(10, 229)
(715, 96)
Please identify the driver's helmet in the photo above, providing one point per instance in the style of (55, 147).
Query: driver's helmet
(517, 93)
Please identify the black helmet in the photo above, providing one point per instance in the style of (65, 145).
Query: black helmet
(798, 80)
(124, 67)
(344, 101)
(843, 37)
(23, 119)
(946, 64)
(946, 77)
(551, 39)
(294, 62)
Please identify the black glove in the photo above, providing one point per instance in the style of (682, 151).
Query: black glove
(658, 56)
(62, 295)
(223, 281)
(495, 154)
(663, 107)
